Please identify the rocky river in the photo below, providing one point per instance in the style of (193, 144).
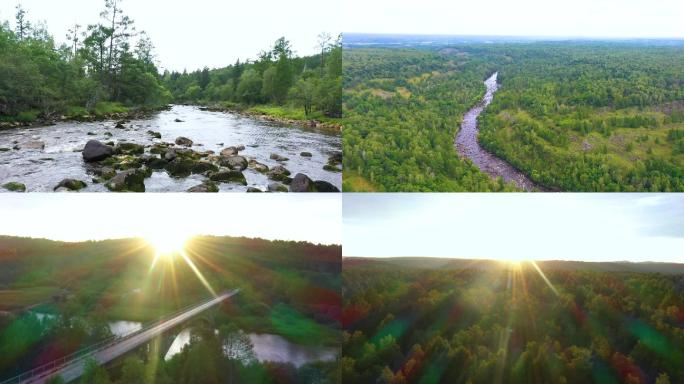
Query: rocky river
(184, 148)
(469, 147)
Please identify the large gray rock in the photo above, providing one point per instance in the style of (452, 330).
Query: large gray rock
(302, 183)
(230, 151)
(277, 157)
(237, 163)
(324, 186)
(96, 151)
(184, 141)
(132, 180)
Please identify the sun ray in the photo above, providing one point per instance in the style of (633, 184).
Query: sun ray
(192, 266)
(544, 277)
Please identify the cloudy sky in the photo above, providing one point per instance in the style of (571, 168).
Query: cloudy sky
(77, 217)
(198, 33)
(586, 227)
(589, 18)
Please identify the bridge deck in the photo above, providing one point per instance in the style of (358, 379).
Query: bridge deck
(73, 369)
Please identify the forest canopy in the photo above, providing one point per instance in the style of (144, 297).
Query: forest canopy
(571, 116)
(507, 324)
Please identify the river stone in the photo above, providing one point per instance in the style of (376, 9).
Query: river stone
(257, 166)
(180, 167)
(34, 144)
(202, 167)
(96, 151)
(132, 180)
(157, 163)
(331, 168)
(159, 148)
(306, 154)
(278, 173)
(277, 157)
(205, 187)
(237, 163)
(302, 183)
(229, 176)
(324, 186)
(13, 186)
(105, 172)
(154, 134)
(230, 151)
(120, 125)
(240, 147)
(178, 121)
(277, 187)
(129, 149)
(5, 149)
(254, 190)
(71, 185)
(184, 141)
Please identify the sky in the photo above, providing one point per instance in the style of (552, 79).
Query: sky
(198, 33)
(567, 226)
(79, 217)
(576, 18)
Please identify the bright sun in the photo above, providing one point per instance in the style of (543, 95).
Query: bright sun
(167, 243)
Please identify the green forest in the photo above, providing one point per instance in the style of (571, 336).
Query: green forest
(278, 78)
(110, 67)
(572, 116)
(510, 323)
(102, 68)
(290, 289)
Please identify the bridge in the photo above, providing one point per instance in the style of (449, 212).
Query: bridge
(71, 367)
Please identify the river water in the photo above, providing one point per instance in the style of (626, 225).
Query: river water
(467, 144)
(269, 347)
(42, 170)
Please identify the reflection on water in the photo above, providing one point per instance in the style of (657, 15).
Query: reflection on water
(122, 328)
(268, 347)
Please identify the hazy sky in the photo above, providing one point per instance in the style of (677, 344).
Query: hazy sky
(593, 18)
(77, 217)
(192, 34)
(587, 227)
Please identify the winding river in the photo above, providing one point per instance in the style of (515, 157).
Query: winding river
(42, 169)
(468, 145)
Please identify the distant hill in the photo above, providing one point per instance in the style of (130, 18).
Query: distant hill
(561, 265)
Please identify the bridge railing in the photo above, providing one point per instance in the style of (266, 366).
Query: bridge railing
(50, 368)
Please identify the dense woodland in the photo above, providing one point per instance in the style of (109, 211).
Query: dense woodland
(103, 68)
(287, 288)
(591, 118)
(507, 325)
(277, 77)
(111, 66)
(572, 116)
(401, 112)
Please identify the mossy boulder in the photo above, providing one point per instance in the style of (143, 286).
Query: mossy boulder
(206, 187)
(14, 186)
(229, 176)
(324, 186)
(180, 167)
(202, 167)
(279, 173)
(277, 187)
(129, 149)
(132, 180)
(71, 185)
(331, 168)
